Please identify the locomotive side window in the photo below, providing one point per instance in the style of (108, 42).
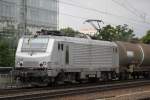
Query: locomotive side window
(58, 46)
(116, 50)
(62, 47)
(67, 55)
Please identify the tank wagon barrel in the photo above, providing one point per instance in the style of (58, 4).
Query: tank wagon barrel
(146, 54)
(133, 53)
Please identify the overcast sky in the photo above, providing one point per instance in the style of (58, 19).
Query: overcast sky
(115, 12)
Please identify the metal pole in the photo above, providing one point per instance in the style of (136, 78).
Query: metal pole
(25, 16)
(23, 20)
(57, 3)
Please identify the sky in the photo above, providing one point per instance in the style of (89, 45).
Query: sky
(135, 13)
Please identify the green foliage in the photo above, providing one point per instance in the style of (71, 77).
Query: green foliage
(69, 32)
(106, 33)
(124, 33)
(6, 54)
(8, 42)
(146, 38)
(118, 33)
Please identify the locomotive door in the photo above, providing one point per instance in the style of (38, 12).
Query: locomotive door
(64, 54)
(61, 53)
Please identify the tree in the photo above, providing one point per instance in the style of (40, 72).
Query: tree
(8, 44)
(146, 38)
(6, 54)
(69, 32)
(118, 33)
(106, 33)
(9, 36)
(124, 33)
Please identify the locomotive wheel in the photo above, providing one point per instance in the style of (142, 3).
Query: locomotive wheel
(93, 80)
(104, 76)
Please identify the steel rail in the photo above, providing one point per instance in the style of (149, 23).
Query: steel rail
(30, 88)
(45, 94)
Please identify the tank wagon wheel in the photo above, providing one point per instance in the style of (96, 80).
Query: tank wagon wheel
(93, 80)
(146, 75)
(124, 75)
(136, 75)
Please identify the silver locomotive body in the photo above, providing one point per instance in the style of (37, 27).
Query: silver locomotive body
(49, 58)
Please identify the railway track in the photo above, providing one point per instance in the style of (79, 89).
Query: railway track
(27, 88)
(45, 93)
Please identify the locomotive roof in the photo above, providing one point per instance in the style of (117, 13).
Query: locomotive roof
(78, 40)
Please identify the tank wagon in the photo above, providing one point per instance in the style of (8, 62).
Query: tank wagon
(47, 59)
(134, 59)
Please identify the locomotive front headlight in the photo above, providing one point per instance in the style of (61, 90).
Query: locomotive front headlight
(44, 63)
(41, 64)
(20, 63)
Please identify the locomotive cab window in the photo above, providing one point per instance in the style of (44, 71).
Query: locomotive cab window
(34, 44)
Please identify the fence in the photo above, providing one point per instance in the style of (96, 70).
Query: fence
(6, 77)
(6, 80)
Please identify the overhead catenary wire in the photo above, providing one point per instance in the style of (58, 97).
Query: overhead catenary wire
(84, 18)
(133, 22)
(102, 12)
(125, 4)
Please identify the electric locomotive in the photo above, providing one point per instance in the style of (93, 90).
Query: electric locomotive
(45, 59)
